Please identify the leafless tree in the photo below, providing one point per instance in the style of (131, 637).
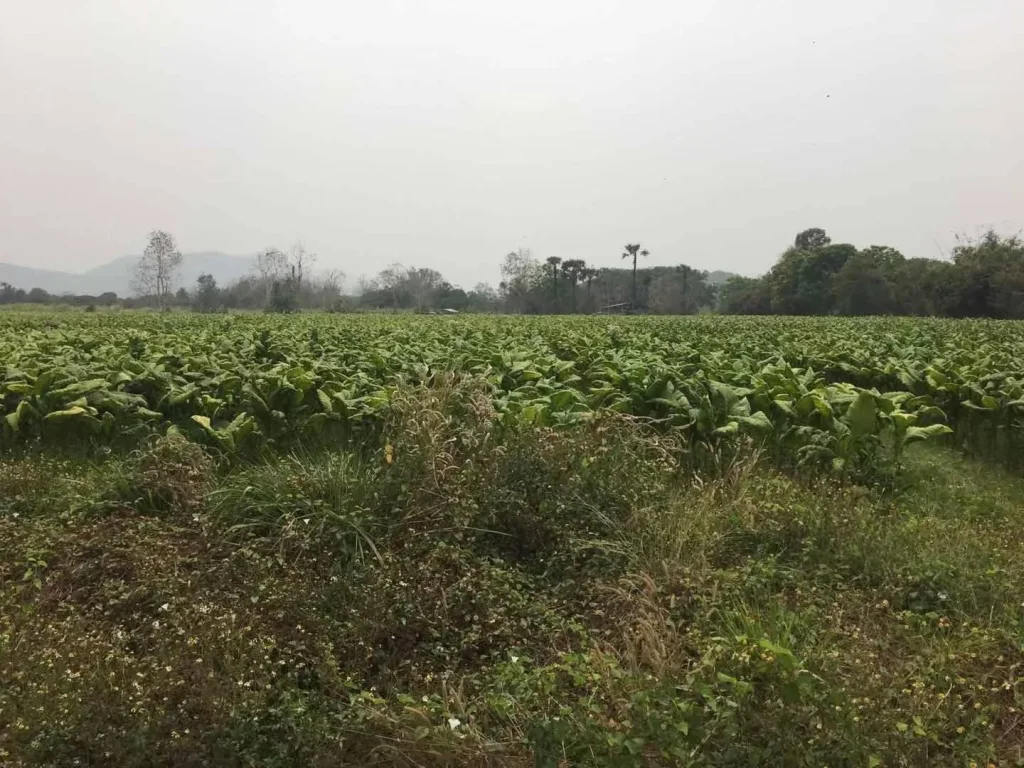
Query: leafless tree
(330, 287)
(332, 280)
(422, 282)
(270, 264)
(391, 279)
(157, 270)
(300, 260)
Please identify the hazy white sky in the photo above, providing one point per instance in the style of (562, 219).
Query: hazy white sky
(446, 133)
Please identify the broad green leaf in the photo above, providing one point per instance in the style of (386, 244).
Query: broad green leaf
(861, 416)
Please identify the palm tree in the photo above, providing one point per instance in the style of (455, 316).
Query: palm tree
(554, 261)
(631, 253)
(574, 270)
(591, 273)
(686, 271)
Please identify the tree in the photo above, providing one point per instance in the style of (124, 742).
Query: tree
(483, 298)
(631, 253)
(553, 262)
(680, 290)
(331, 283)
(422, 283)
(991, 272)
(391, 279)
(157, 270)
(520, 272)
(573, 269)
(300, 260)
(801, 281)
(270, 265)
(589, 275)
(689, 277)
(812, 238)
(38, 296)
(745, 296)
(284, 295)
(865, 285)
(207, 294)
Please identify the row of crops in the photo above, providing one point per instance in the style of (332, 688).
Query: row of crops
(816, 390)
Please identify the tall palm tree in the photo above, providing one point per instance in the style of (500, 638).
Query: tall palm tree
(591, 273)
(574, 270)
(554, 261)
(632, 251)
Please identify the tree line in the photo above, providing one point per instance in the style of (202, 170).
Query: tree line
(814, 276)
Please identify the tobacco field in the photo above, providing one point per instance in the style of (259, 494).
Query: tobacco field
(415, 540)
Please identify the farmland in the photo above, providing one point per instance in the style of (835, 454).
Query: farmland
(392, 539)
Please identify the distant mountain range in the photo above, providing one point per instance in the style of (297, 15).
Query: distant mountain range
(116, 275)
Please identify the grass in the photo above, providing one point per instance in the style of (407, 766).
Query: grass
(474, 596)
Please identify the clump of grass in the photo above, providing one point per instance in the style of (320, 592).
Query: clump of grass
(169, 474)
(320, 501)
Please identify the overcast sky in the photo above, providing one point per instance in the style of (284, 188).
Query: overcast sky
(446, 133)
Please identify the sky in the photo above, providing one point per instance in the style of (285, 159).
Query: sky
(447, 133)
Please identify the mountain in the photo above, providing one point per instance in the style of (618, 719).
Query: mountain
(116, 275)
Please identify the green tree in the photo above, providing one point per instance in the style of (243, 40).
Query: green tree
(802, 279)
(867, 283)
(812, 238)
(991, 276)
(745, 296)
(207, 294)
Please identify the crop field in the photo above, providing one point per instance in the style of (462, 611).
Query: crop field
(324, 539)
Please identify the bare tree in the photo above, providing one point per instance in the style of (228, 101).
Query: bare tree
(519, 272)
(300, 260)
(422, 283)
(330, 287)
(332, 280)
(270, 265)
(157, 270)
(391, 279)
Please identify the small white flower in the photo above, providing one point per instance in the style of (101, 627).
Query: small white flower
(165, 607)
(515, 659)
(454, 722)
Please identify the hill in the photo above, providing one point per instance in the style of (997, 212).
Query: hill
(116, 275)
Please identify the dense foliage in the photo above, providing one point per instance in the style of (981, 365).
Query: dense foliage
(810, 391)
(984, 278)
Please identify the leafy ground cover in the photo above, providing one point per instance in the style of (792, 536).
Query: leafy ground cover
(454, 578)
